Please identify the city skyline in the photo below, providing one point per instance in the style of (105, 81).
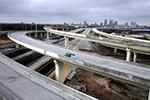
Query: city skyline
(54, 11)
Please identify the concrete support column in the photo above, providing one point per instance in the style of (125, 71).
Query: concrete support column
(128, 55)
(17, 45)
(135, 57)
(66, 41)
(59, 71)
(36, 35)
(50, 34)
(62, 70)
(41, 34)
(47, 35)
(66, 29)
(115, 50)
(29, 35)
(62, 29)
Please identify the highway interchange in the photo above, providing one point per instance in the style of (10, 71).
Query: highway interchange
(118, 69)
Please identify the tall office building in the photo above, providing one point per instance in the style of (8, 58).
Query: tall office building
(111, 22)
(105, 22)
(133, 23)
(85, 24)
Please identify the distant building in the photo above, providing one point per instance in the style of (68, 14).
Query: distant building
(96, 24)
(85, 24)
(105, 22)
(101, 24)
(126, 24)
(111, 22)
(65, 24)
(133, 24)
(116, 23)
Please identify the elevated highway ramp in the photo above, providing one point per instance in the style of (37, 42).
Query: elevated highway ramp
(20, 83)
(120, 70)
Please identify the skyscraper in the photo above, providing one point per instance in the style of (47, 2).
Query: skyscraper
(111, 22)
(133, 23)
(85, 24)
(105, 22)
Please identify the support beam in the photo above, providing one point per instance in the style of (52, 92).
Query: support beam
(66, 41)
(59, 71)
(17, 45)
(48, 35)
(135, 57)
(115, 50)
(128, 55)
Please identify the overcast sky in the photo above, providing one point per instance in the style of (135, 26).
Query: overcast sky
(76, 11)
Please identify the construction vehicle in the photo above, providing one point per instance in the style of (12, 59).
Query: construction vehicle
(69, 54)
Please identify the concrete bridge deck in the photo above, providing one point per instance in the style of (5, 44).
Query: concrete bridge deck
(136, 74)
(20, 83)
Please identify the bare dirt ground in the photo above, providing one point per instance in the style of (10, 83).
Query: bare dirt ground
(104, 88)
(3, 41)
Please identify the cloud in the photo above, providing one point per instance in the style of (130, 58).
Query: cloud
(59, 11)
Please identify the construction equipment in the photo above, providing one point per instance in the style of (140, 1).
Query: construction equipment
(69, 54)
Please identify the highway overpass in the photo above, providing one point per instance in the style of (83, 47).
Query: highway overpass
(118, 69)
(136, 74)
(17, 82)
(128, 44)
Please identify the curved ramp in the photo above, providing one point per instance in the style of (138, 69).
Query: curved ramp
(117, 69)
